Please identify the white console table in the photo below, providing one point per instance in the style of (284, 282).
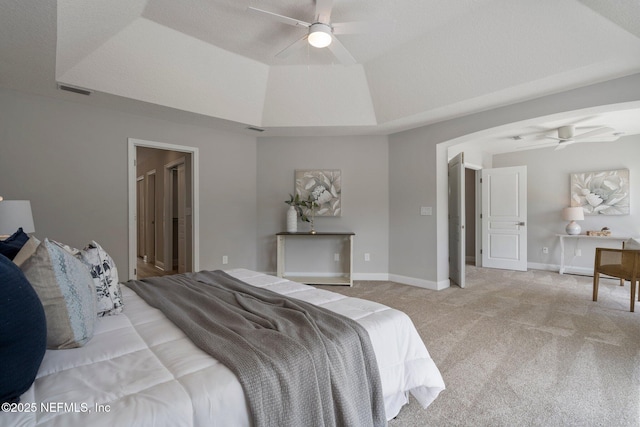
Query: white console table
(346, 279)
(583, 236)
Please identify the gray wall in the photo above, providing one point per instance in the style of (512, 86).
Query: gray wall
(70, 160)
(548, 175)
(363, 162)
(412, 184)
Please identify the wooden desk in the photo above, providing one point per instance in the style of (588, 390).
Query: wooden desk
(584, 236)
(346, 279)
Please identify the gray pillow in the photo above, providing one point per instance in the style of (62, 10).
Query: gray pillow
(67, 293)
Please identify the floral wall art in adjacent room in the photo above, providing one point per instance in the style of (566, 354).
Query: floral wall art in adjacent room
(601, 193)
(324, 187)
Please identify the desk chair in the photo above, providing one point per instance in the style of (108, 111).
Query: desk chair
(623, 264)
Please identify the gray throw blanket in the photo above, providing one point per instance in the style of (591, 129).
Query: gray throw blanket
(298, 364)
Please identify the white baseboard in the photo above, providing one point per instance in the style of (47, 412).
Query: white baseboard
(371, 276)
(426, 284)
(160, 265)
(540, 266)
(420, 283)
(582, 271)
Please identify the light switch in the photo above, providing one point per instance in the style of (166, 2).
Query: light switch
(426, 210)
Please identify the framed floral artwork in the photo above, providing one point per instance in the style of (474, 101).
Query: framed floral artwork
(322, 186)
(601, 193)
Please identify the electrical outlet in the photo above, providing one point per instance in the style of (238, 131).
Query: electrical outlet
(336, 257)
(426, 210)
(545, 250)
(367, 257)
(225, 259)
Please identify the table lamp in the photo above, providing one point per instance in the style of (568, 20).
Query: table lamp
(573, 214)
(15, 214)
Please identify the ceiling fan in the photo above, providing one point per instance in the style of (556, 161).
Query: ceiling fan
(322, 32)
(567, 136)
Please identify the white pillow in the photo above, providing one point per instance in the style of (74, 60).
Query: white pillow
(632, 244)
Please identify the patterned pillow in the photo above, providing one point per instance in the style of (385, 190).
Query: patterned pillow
(105, 277)
(67, 293)
(12, 244)
(23, 332)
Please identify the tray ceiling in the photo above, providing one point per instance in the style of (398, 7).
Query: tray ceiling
(441, 59)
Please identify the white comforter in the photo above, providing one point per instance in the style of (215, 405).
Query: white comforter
(139, 369)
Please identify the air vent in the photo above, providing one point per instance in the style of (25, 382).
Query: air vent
(74, 89)
(253, 128)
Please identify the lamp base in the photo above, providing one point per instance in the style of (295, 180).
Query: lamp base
(573, 228)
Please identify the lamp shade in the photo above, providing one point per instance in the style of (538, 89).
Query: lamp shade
(573, 214)
(15, 214)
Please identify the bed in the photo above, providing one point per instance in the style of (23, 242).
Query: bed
(140, 369)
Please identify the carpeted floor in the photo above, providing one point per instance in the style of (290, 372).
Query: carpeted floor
(523, 349)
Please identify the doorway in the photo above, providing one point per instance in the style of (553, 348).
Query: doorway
(166, 194)
(487, 211)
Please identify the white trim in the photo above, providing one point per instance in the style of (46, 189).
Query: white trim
(132, 143)
(582, 271)
(420, 283)
(167, 209)
(159, 265)
(384, 277)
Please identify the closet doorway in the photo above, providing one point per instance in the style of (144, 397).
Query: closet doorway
(163, 227)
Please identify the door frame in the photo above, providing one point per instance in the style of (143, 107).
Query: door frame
(132, 144)
(457, 237)
(169, 170)
(150, 217)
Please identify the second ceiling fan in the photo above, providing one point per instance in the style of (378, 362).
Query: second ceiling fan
(567, 136)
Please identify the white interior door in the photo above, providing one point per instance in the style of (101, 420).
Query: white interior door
(504, 218)
(457, 220)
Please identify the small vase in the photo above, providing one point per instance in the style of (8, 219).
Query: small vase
(292, 220)
(313, 230)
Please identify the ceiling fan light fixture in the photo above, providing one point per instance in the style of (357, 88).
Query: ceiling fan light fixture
(319, 35)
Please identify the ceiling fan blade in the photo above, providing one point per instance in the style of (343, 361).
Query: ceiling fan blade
(563, 144)
(280, 18)
(360, 27)
(293, 47)
(546, 144)
(323, 11)
(341, 52)
(595, 132)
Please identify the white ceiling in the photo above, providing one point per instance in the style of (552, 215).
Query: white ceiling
(211, 61)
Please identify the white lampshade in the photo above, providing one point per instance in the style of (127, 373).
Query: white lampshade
(319, 35)
(573, 214)
(15, 214)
